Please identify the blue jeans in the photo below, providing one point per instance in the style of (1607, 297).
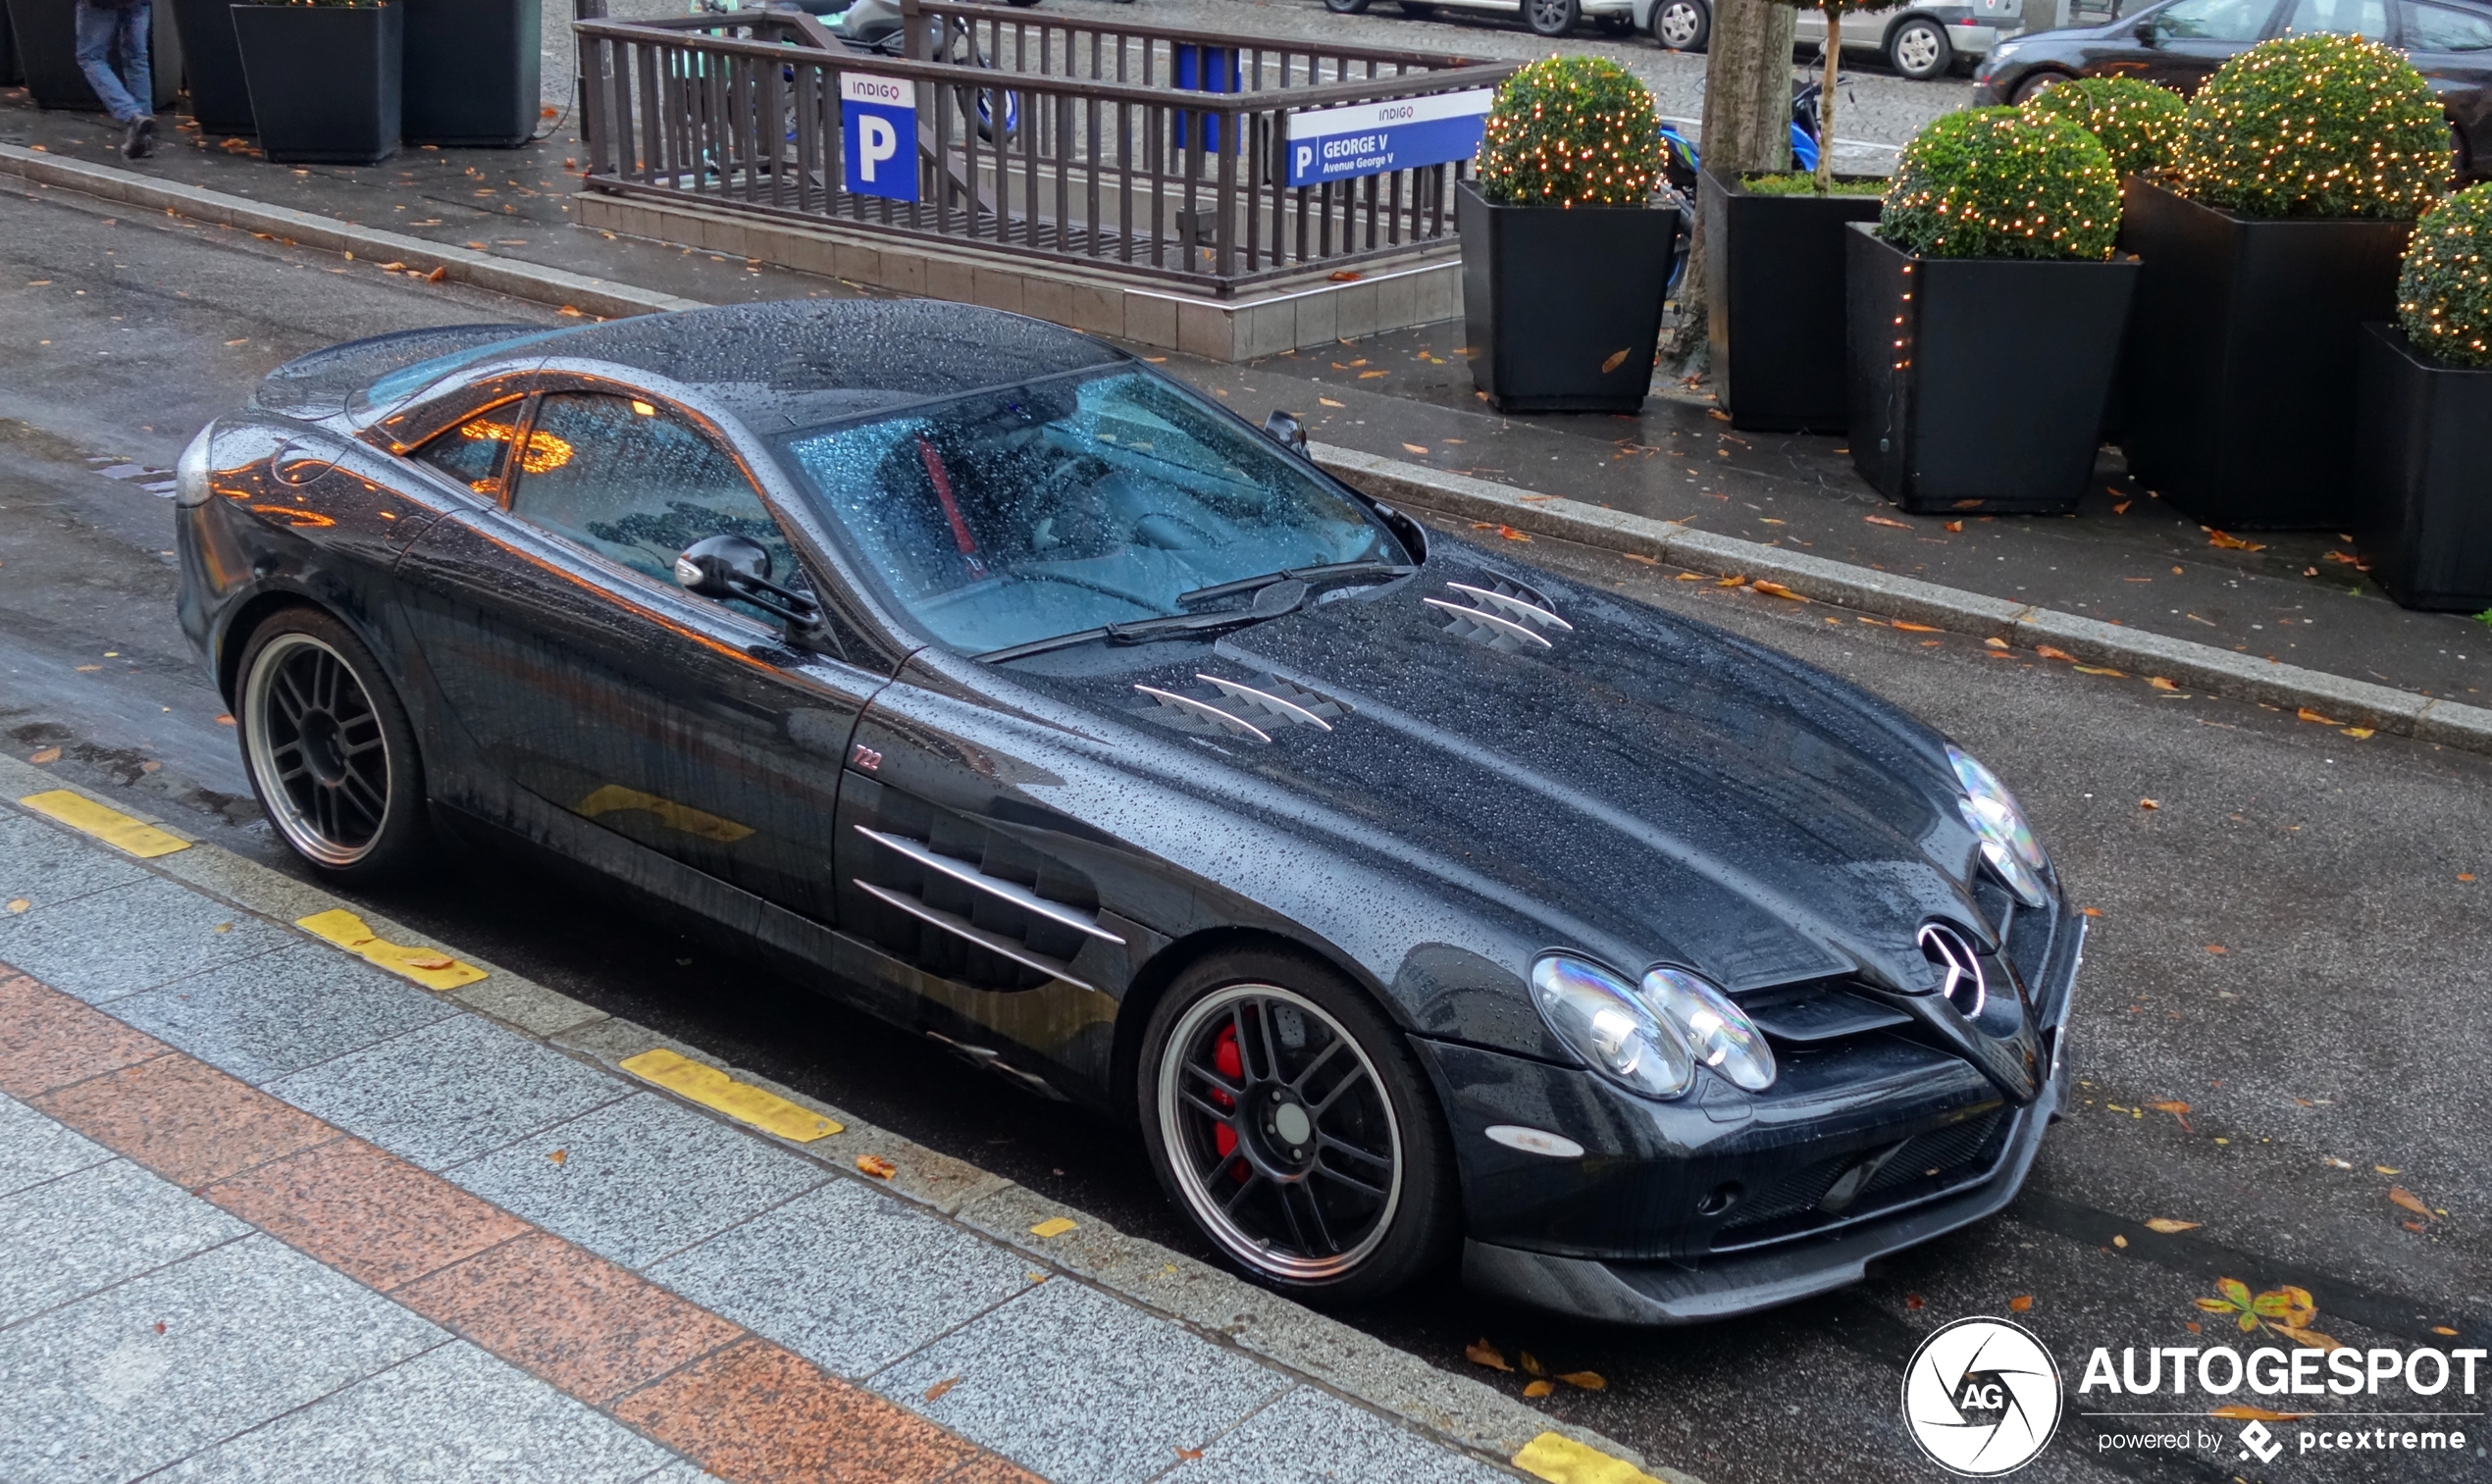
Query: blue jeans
(102, 30)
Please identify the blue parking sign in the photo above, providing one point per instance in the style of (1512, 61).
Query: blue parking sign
(878, 136)
(1372, 138)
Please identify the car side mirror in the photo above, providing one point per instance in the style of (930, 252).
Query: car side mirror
(2146, 31)
(1284, 428)
(732, 567)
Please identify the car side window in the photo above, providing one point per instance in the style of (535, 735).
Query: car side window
(637, 485)
(2446, 29)
(472, 452)
(2342, 17)
(2214, 19)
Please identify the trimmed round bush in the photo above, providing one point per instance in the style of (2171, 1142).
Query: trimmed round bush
(1995, 182)
(2318, 126)
(2138, 123)
(1571, 131)
(2444, 295)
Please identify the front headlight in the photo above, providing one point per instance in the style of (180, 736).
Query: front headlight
(1718, 1032)
(191, 470)
(2007, 842)
(1601, 1019)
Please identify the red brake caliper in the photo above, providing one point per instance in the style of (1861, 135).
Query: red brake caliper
(1229, 1064)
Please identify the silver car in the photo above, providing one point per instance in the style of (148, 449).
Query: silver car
(1918, 41)
(1547, 17)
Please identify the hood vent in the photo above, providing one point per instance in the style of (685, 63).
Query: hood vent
(1249, 710)
(1500, 613)
(1201, 717)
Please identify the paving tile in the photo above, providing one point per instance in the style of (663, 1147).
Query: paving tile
(756, 1414)
(846, 1276)
(95, 1228)
(1139, 1388)
(279, 1013)
(49, 1040)
(378, 1219)
(1309, 1437)
(116, 942)
(449, 1091)
(989, 1469)
(34, 1148)
(570, 1317)
(638, 1179)
(186, 1121)
(156, 1368)
(42, 864)
(681, 1471)
(448, 1416)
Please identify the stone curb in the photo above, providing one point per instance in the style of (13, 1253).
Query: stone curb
(464, 265)
(1458, 1411)
(2205, 667)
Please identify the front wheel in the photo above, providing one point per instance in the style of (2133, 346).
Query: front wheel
(329, 748)
(1550, 17)
(1289, 1119)
(1683, 26)
(1919, 50)
(2034, 82)
(1346, 7)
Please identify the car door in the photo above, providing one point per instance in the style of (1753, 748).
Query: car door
(582, 677)
(2182, 44)
(2452, 45)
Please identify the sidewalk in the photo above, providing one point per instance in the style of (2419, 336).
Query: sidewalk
(269, 1211)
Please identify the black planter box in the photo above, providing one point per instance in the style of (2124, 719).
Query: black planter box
(324, 79)
(220, 95)
(2240, 365)
(1774, 304)
(1933, 341)
(472, 72)
(1563, 308)
(2424, 446)
(46, 46)
(10, 76)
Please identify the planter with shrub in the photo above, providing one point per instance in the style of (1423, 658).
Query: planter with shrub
(325, 79)
(2301, 166)
(1775, 303)
(1992, 266)
(1565, 257)
(472, 72)
(45, 33)
(220, 95)
(2423, 439)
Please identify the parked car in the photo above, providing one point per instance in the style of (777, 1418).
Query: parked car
(1918, 41)
(2179, 43)
(1414, 904)
(1547, 17)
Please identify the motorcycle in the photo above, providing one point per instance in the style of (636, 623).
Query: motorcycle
(1681, 166)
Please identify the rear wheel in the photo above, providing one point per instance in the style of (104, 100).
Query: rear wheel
(329, 748)
(2034, 82)
(1919, 50)
(1289, 1119)
(1683, 26)
(1550, 17)
(1346, 7)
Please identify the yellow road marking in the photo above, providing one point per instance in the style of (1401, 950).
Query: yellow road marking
(1561, 1460)
(714, 1088)
(683, 819)
(1053, 1226)
(110, 826)
(429, 967)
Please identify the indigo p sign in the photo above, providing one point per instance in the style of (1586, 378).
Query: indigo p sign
(878, 135)
(1371, 139)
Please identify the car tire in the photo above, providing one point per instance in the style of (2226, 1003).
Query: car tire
(1340, 1201)
(1548, 18)
(1346, 7)
(1918, 49)
(329, 748)
(1615, 25)
(2034, 82)
(1683, 26)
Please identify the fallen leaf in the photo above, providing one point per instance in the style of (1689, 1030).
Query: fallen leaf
(2243, 1411)
(877, 1166)
(2178, 1110)
(1777, 589)
(2466, 876)
(1914, 1301)
(2442, 1329)
(2387, 1169)
(2359, 733)
(46, 755)
(2048, 652)
(2330, 1161)
(1416, 448)
(1539, 1388)
(2121, 508)
(559, 1157)
(2170, 1227)
(1330, 402)
(1482, 1352)
(1717, 414)
(1880, 520)
(2119, 1240)
(1345, 275)
(1649, 561)
(1191, 1454)
(1738, 580)
(2399, 1196)
(2309, 1337)
(2099, 670)
(935, 1391)
(2160, 683)
(19, 905)
(2020, 1304)
(1956, 526)
(2148, 803)
(1617, 358)
(1053, 1226)
(1367, 375)
(2217, 948)
(1912, 628)
(1688, 577)
(568, 310)
(2309, 715)
(1590, 1380)
(439, 273)
(2232, 543)
(1512, 535)
(2093, 911)
(1532, 1364)
(1993, 644)
(224, 721)
(160, 1327)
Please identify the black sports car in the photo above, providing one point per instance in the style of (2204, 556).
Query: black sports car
(1414, 903)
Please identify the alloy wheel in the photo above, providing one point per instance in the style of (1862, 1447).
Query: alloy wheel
(1279, 1132)
(1918, 50)
(1551, 18)
(318, 749)
(1679, 23)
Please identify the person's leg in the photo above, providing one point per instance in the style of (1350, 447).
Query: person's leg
(137, 66)
(98, 27)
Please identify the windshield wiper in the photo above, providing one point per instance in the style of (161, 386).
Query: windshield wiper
(1328, 572)
(1277, 598)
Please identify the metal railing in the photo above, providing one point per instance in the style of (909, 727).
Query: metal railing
(1142, 150)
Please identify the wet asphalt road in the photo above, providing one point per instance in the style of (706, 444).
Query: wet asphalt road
(2343, 1020)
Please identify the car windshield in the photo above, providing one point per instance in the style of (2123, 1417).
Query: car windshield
(1096, 498)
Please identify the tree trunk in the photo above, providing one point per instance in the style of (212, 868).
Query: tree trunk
(1747, 99)
(1826, 98)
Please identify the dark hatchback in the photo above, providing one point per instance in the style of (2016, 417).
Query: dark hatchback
(2179, 43)
(1409, 901)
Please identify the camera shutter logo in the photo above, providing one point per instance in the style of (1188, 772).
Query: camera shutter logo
(2257, 1439)
(1982, 1397)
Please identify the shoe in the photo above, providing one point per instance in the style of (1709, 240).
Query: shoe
(140, 141)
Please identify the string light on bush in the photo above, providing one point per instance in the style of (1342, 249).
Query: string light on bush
(2138, 123)
(1997, 182)
(1571, 131)
(2444, 294)
(2316, 126)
